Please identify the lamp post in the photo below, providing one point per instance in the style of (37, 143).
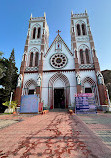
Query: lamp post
(11, 98)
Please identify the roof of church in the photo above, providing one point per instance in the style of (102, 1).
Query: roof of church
(58, 36)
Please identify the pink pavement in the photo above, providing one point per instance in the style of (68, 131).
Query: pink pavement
(53, 135)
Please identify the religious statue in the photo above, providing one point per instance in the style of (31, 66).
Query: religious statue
(19, 83)
(78, 78)
(100, 78)
(39, 80)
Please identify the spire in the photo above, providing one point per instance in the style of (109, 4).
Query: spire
(44, 14)
(71, 13)
(31, 16)
(85, 11)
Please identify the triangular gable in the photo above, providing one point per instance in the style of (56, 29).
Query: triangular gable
(60, 38)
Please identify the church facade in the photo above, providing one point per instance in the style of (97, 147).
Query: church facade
(57, 73)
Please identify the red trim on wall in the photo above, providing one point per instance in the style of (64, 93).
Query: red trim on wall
(67, 70)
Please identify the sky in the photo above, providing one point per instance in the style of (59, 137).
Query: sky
(15, 15)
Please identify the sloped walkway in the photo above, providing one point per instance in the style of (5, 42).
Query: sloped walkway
(100, 124)
(53, 135)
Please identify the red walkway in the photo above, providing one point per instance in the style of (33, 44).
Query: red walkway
(53, 135)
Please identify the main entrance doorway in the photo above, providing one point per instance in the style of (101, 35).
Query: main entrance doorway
(59, 98)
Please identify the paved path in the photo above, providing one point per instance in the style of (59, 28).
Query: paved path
(100, 124)
(53, 135)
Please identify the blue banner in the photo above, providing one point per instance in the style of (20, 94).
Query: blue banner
(85, 103)
(29, 104)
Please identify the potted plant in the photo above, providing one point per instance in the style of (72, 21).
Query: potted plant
(11, 106)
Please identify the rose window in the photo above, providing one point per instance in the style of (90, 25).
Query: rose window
(58, 60)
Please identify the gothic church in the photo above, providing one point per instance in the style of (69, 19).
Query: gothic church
(57, 73)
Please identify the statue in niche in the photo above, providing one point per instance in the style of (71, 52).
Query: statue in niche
(100, 78)
(58, 45)
(78, 78)
(19, 82)
(39, 80)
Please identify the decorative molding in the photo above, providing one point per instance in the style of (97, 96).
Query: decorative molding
(82, 38)
(86, 66)
(79, 22)
(31, 69)
(58, 36)
(37, 19)
(76, 16)
(34, 50)
(66, 70)
(83, 47)
(37, 41)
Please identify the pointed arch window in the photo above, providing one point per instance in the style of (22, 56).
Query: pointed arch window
(83, 29)
(36, 58)
(87, 56)
(81, 56)
(39, 32)
(78, 30)
(31, 59)
(34, 32)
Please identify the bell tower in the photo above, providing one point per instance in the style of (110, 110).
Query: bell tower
(85, 57)
(36, 45)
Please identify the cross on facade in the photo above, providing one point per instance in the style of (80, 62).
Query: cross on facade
(58, 32)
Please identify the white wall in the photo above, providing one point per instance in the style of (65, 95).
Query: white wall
(46, 60)
(90, 73)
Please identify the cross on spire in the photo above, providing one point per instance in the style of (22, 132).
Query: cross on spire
(58, 32)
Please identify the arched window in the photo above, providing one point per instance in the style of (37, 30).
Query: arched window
(31, 59)
(78, 30)
(36, 58)
(83, 29)
(39, 32)
(87, 56)
(34, 32)
(81, 56)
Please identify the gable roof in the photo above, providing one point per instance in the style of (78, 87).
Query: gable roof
(60, 38)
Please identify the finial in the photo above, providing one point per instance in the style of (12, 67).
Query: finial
(44, 14)
(86, 11)
(31, 16)
(71, 12)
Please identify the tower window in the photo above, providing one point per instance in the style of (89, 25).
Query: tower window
(83, 29)
(87, 56)
(78, 30)
(39, 32)
(34, 32)
(81, 56)
(31, 59)
(36, 58)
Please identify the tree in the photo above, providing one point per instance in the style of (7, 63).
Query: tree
(12, 73)
(1, 53)
(2, 69)
(9, 79)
